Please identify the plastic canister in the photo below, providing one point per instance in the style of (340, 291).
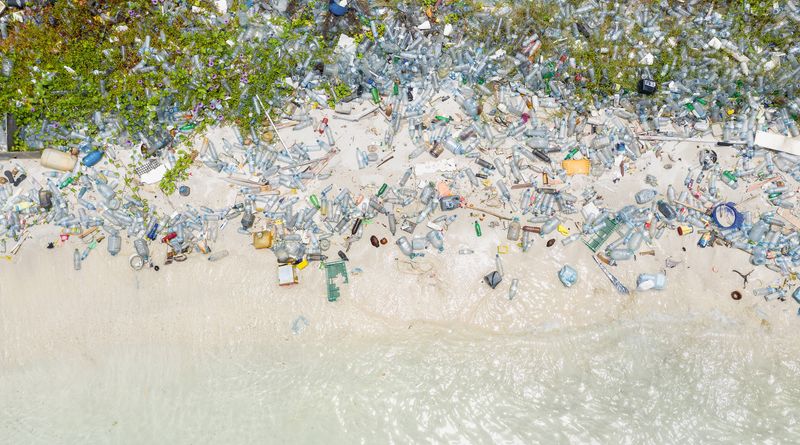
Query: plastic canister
(58, 160)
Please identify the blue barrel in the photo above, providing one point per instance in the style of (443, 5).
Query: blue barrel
(92, 158)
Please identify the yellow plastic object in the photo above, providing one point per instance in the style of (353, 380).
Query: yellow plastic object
(576, 166)
(502, 248)
(563, 230)
(263, 239)
(302, 264)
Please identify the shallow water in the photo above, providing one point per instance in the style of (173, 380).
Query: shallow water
(653, 380)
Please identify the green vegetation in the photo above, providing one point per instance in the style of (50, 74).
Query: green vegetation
(74, 60)
(177, 173)
(83, 60)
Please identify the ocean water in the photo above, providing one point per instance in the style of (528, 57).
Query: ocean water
(656, 379)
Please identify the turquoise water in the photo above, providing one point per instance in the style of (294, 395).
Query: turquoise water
(659, 380)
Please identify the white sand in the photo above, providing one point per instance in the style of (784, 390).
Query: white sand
(88, 340)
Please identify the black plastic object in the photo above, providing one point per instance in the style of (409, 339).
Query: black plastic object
(493, 279)
(646, 86)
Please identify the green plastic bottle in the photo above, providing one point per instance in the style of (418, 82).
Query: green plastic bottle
(376, 97)
(66, 182)
(571, 154)
(478, 228)
(383, 188)
(314, 201)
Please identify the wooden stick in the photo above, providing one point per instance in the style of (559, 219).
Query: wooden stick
(472, 207)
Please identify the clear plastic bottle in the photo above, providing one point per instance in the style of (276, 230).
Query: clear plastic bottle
(620, 254)
(645, 196)
(76, 259)
(512, 291)
(141, 248)
(114, 243)
(216, 256)
(405, 246)
(514, 229)
(549, 226)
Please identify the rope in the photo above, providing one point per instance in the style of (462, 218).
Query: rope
(413, 267)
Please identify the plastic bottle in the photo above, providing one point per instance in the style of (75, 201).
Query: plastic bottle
(512, 291)
(141, 248)
(216, 256)
(549, 226)
(514, 230)
(92, 158)
(76, 259)
(392, 223)
(405, 177)
(644, 196)
(114, 243)
(620, 254)
(405, 246)
(758, 231)
(435, 238)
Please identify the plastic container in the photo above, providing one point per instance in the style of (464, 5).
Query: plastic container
(58, 160)
(493, 279)
(92, 158)
(336, 9)
(568, 276)
(449, 202)
(514, 230)
(141, 248)
(645, 196)
(405, 246)
(114, 244)
(648, 281)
